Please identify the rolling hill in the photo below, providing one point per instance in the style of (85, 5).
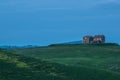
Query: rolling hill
(73, 42)
(105, 57)
(19, 67)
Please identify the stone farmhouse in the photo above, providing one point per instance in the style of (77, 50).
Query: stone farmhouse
(94, 39)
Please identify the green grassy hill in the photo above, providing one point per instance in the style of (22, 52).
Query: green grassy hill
(18, 67)
(95, 56)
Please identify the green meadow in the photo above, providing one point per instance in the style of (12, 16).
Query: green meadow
(61, 62)
(95, 56)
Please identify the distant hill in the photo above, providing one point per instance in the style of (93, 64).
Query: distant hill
(15, 47)
(73, 42)
(64, 43)
(67, 43)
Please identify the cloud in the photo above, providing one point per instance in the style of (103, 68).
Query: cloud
(53, 4)
(106, 2)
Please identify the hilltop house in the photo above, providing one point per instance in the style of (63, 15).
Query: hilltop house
(96, 39)
(88, 39)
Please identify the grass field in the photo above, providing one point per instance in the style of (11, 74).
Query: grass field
(105, 57)
(18, 67)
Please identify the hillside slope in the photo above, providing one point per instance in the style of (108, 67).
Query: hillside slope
(96, 56)
(15, 67)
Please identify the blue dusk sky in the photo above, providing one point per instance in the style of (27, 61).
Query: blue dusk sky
(42, 22)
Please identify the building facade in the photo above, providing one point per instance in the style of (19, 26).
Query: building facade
(99, 39)
(87, 39)
(94, 39)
